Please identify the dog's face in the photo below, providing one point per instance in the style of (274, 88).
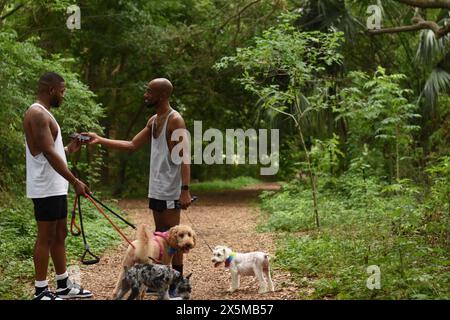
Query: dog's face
(183, 286)
(182, 238)
(219, 255)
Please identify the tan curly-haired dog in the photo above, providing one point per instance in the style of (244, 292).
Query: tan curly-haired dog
(159, 247)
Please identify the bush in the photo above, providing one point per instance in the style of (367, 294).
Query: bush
(361, 226)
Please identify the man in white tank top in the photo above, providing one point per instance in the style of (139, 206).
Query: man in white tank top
(168, 182)
(48, 180)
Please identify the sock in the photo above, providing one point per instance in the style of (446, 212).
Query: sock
(40, 286)
(61, 280)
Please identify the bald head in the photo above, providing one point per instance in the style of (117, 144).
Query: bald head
(161, 86)
(158, 92)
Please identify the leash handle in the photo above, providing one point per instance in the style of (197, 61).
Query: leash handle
(91, 261)
(73, 222)
(86, 245)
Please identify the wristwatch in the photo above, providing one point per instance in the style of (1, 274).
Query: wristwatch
(185, 187)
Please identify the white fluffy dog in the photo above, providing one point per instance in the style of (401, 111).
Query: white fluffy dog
(244, 264)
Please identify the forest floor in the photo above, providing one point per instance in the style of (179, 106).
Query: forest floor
(219, 218)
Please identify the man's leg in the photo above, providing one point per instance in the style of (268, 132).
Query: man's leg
(65, 289)
(58, 248)
(58, 253)
(46, 234)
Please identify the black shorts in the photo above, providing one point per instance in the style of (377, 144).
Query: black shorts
(50, 208)
(161, 205)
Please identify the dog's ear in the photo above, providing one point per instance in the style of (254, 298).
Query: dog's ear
(189, 275)
(173, 235)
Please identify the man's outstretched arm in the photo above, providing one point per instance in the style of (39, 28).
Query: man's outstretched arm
(135, 144)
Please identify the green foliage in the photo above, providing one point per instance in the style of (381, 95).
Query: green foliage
(378, 109)
(326, 154)
(360, 227)
(281, 65)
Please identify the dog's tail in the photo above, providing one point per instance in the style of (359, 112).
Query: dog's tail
(142, 244)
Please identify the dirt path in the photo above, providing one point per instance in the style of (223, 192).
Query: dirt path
(227, 218)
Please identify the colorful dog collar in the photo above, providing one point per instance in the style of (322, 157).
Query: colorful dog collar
(229, 259)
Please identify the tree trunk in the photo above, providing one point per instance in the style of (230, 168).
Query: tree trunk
(311, 177)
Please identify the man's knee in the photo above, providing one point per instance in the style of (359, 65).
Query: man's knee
(61, 235)
(166, 219)
(46, 238)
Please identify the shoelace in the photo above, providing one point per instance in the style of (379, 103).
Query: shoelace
(52, 295)
(72, 285)
(49, 294)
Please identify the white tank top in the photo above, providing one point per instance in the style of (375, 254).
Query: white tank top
(42, 180)
(165, 176)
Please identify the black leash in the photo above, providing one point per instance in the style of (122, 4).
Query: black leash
(114, 213)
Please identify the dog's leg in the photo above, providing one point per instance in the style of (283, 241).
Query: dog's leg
(234, 281)
(118, 285)
(262, 282)
(134, 293)
(269, 279)
(163, 294)
(121, 294)
(142, 293)
(127, 262)
(125, 287)
(266, 270)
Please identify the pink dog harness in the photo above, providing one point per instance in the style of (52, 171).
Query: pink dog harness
(165, 236)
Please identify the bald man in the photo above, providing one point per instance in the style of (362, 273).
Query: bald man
(168, 182)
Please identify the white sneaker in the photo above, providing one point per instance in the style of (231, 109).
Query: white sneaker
(46, 295)
(73, 291)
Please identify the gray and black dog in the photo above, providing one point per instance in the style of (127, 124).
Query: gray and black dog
(154, 276)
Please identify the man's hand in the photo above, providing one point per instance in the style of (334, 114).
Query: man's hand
(80, 188)
(185, 199)
(95, 138)
(74, 146)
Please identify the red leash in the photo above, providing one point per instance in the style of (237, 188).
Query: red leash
(107, 218)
